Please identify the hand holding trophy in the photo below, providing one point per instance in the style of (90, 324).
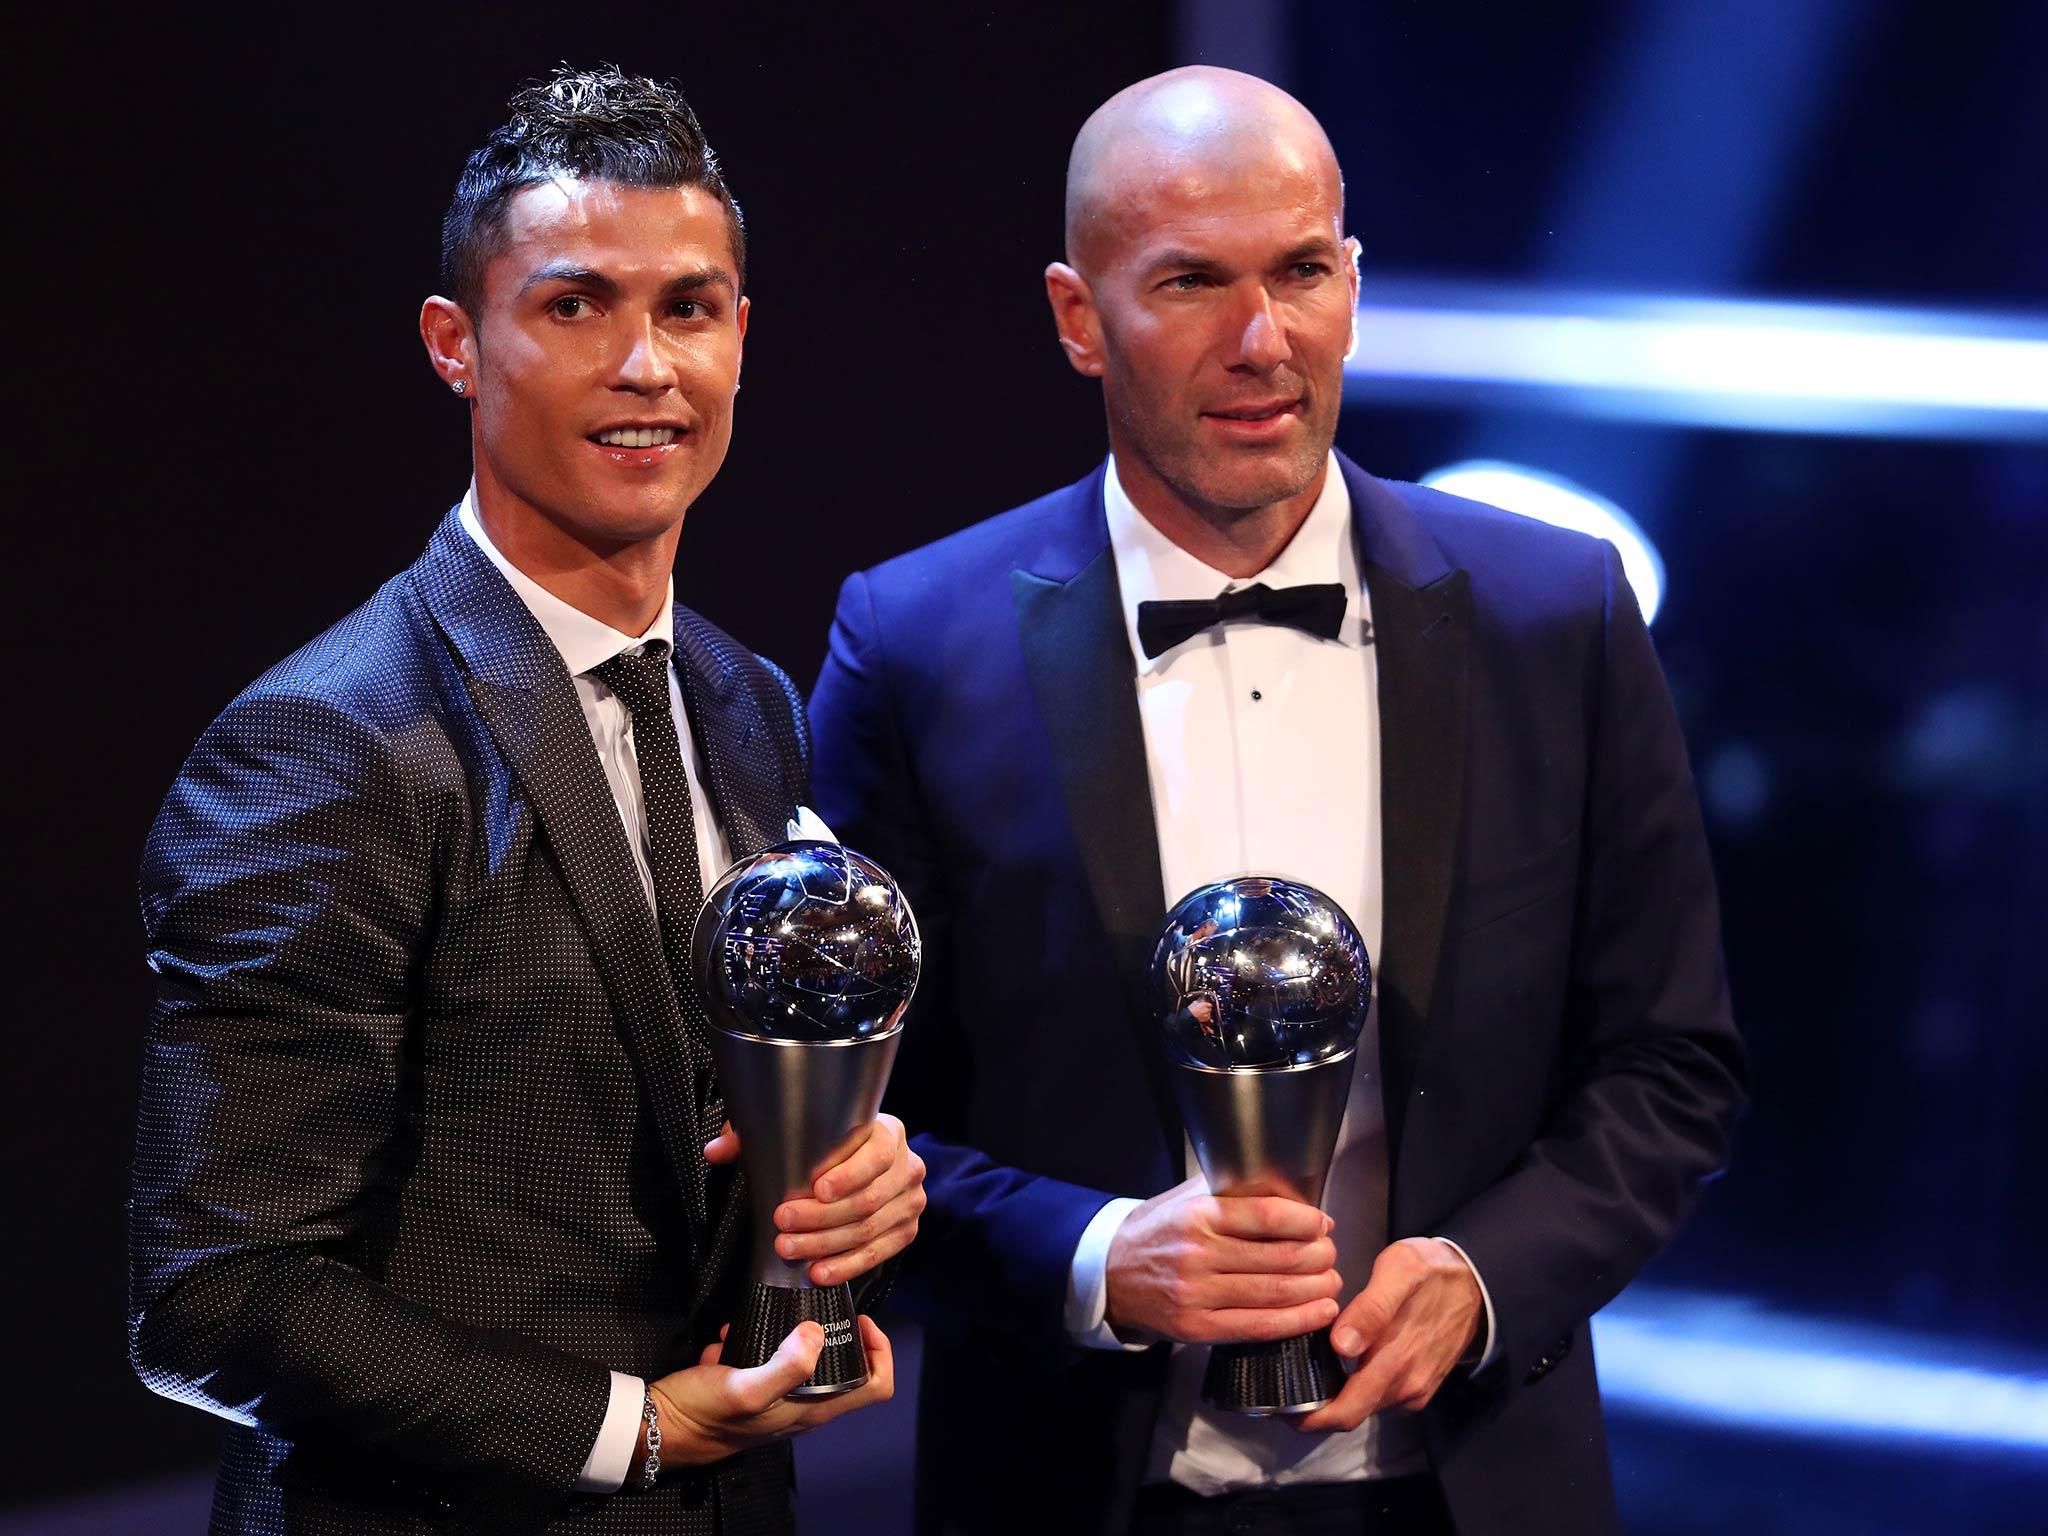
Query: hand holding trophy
(1262, 986)
(807, 955)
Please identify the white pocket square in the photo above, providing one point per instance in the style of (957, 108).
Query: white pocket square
(808, 826)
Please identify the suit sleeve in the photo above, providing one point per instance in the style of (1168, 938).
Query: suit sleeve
(288, 888)
(996, 1243)
(1653, 1072)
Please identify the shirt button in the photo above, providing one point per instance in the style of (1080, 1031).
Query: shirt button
(1256, 694)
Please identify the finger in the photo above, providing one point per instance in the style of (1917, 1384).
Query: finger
(1401, 1368)
(875, 1154)
(1231, 1325)
(824, 1243)
(804, 1215)
(1395, 1275)
(1351, 1407)
(1256, 1293)
(1241, 1256)
(712, 1351)
(881, 1358)
(760, 1387)
(1382, 1368)
(867, 1256)
(878, 1388)
(724, 1147)
(1264, 1217)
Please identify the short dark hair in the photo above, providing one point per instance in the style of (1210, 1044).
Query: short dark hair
(595, 123)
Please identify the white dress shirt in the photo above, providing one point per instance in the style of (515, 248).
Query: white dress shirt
(1262, 747)
(586, 643)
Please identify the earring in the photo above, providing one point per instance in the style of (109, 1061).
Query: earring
(460, 386)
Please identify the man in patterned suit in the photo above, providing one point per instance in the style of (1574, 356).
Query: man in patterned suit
(432, 1194)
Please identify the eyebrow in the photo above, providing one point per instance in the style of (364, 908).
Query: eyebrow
(1180, 261)
(1321, 246)
(589, 277)
(1187, 261)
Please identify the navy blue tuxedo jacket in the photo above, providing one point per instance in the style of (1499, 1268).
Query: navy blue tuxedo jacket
(1560, 1065)
(420, 1152)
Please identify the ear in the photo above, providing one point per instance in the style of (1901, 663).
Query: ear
(1073, 314)
(744, 308)
(451, 343)
(1352, 254)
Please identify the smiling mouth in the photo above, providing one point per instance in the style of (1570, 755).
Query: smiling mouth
(635, 437)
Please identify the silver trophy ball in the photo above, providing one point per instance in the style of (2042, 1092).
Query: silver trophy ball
(1261, 987)
(806, 955)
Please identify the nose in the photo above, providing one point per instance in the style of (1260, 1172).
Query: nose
(644, 365)
(1261, 339)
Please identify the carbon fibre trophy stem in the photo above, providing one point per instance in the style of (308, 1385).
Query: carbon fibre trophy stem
(792, 1103)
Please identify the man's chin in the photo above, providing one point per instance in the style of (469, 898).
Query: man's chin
(608, 523)
(1248, 487)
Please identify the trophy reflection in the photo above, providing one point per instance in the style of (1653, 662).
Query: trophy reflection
(806, 955)
(1262, 986)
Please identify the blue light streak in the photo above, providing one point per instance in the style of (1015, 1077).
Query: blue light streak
(1555, 500)
(1705, 362)
(1729, 1361)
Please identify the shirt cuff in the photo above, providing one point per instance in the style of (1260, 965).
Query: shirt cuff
(1487, 1337)
(612, 1456)
(1087, 1315)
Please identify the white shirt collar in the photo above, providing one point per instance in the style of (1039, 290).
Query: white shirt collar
(583, 641)
(1151, 566)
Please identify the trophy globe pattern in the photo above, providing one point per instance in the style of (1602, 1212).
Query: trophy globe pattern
(1259, 973)
(806, 941)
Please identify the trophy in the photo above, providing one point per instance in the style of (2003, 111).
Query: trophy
(806, 955)
(1262, 986)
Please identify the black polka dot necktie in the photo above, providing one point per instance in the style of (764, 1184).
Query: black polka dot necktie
(640, 679)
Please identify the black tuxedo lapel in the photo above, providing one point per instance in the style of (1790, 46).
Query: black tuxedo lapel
(524, 693)
(1078, 655)
(1421, 620)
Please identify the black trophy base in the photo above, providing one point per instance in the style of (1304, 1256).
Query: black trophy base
(768, 1314)
(1286, 1376)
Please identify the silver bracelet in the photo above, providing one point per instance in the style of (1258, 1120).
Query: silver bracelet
(651, 1437)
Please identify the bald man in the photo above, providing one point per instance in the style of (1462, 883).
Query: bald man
(1449, 719)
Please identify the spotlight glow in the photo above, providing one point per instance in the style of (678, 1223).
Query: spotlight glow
(1706, 362)
(1728, 1361)
(1552, 499)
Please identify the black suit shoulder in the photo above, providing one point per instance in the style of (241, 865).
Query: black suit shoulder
(1532, 566)
(374, 664)
(351, 728)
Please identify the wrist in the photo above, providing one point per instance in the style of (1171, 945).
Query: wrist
(647, 1463)
(1474, 1296)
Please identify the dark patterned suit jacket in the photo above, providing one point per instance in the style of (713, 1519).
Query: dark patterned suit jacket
(420, 1147)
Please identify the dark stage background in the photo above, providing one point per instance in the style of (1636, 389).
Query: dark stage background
(225, 222)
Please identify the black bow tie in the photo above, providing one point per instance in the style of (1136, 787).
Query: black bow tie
(1316, 610)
